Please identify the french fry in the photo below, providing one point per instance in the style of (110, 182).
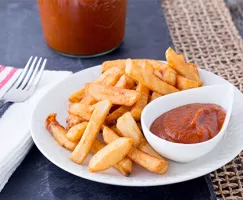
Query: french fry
(109, 135)
(125, 82)
(94, 125)
(115, 70)
(110, 155)
(147, 66)
(157, 65)
(194, 67)
(147, 161)
(141, 103)
(184, 83)
(145, 147)
(59, 132)
(128, 128)
(113, 63)
(115, 129)
(124, 166)
(118, 96)
(160, 69)
(76, 96)
(108, 79)
(75, 133)
(178, 63)
(81, 110)
(166, 74)
(142, 89)
(144, 76)
(87, 99)
(112, 118)
(154, 96)
(73, 120)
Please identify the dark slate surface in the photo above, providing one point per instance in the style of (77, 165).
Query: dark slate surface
(37, 178)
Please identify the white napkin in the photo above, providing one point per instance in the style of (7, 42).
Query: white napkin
(15, 138)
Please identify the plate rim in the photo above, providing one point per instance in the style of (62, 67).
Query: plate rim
(122, 183)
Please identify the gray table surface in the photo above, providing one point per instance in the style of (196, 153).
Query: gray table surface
(37, 178)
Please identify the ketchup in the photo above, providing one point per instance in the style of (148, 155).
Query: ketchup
(191, 123)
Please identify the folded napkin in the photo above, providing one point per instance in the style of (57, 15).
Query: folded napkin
(15, 138)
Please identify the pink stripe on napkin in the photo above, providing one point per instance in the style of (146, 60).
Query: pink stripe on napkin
(8, 77)
(2, 68)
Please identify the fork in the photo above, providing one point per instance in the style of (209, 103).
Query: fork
(26, 83)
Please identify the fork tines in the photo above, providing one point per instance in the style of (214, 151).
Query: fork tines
(31, 74)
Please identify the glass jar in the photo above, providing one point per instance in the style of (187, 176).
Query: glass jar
(83, 28)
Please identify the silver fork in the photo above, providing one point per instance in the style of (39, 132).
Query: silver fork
(26, 83)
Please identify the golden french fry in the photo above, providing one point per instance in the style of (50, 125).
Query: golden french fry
(166, 74)
(115, 129)
(76, 96)
(128, 128)
(194, 67)
(75, 133)
(94, 125)
(160, 69)
(97, 145)
(184, 83)
(142, 89)
(148, 79)
(141, 103)
(112, 118)
(81, 110)
(108, 79)
(125, 82)
(154, 96)
(58, 132)
(113, 63)
(147, 66)
(157, 65)
(115, 70)
(109, 135)
(124, 166)
(73, 120)
(178, 63)
(87, 99)
(145, 147)
(147, 161)
(110, 155)
(118, 96)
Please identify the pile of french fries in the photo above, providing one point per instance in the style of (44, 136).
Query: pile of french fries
(112, 105)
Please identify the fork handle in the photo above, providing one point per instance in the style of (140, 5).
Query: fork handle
(2, 102)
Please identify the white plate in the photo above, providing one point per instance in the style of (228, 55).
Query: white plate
(55, 100)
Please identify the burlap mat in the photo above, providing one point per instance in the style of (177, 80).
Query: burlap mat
(204, 32)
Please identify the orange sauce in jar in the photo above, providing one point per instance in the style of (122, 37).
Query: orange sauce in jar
(83, 27)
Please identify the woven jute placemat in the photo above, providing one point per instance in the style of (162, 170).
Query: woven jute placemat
(204, 32)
